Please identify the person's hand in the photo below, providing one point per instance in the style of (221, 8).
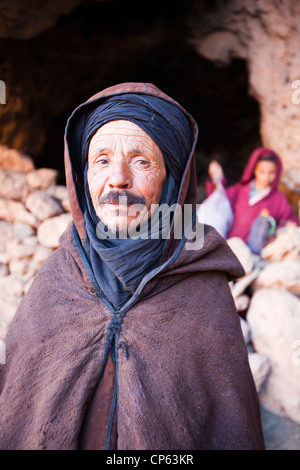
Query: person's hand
(215, 171)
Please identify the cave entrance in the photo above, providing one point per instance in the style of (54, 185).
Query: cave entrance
(217, 96)
(227, 116)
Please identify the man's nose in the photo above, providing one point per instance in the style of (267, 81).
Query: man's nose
(120, 176)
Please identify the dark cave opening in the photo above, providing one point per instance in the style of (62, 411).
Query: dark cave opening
(227, 117)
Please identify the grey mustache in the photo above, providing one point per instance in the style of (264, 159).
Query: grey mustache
(113, 198)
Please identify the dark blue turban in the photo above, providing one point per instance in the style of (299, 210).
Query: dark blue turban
(163, 121)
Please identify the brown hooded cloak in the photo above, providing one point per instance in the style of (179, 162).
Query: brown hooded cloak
(181, 378)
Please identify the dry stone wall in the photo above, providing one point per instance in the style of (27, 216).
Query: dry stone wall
(34, 212)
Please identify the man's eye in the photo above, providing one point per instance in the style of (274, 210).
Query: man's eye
(142, 162)
(101, 161)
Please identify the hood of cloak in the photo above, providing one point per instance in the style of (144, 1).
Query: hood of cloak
(73, 135)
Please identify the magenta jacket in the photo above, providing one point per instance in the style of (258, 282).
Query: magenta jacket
(238, 195)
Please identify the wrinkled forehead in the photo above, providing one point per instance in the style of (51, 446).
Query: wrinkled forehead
(123, 134)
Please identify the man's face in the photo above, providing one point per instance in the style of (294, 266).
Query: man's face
(123, 160)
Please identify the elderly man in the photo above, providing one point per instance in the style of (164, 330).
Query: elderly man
(130, 342)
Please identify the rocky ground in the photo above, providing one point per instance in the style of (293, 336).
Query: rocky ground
(34, 211)
(268, 299)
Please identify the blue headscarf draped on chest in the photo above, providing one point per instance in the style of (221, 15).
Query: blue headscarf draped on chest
(119, 265)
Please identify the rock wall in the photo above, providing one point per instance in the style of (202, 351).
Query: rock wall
(34, 212)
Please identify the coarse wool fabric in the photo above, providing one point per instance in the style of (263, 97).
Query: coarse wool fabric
(183, 379)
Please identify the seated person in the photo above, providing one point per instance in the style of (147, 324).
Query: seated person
(259, 207)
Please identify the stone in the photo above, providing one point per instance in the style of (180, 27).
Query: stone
(9, 209)
(3, 257)
(21, 230)
(17, 249)
(66, 205)
(30, 241)
(24, 216)
(29, 267)
(281, 274)
(19, 266)
(260, 367)
(285, 246)
(242, 302)
(6, 232)
(28, 284)
(238, 287)
(3, 269)
(8, 308)
(41, 178)
(50, 230)
(274, 319)
(219, 46)
(58, 191)
(245, 330)
(12, 159)
(242, 252)
(13, 184)
(15, 211)
(11, 286)
(41, 254)
(43, 206)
